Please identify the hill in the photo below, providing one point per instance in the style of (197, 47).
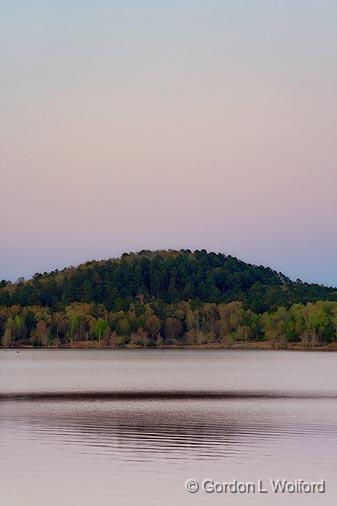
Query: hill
(166, 276)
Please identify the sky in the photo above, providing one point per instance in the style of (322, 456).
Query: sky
(152, 124)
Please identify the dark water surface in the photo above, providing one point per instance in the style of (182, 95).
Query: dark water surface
(128, 428)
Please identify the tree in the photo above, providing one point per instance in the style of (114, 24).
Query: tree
(40, 334)
(172, 329)
(152, 325)
(9, 334)
(100, 328)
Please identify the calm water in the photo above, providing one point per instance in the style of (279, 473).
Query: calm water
(128, 428)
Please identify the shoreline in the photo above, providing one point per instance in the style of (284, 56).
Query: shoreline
(253, 346)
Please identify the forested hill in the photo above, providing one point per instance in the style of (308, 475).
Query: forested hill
(167, 276)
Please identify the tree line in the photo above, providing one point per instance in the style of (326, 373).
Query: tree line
(159, 324)
(167, 276)
(165, 298)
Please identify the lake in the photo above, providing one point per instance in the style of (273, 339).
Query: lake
(103, 428)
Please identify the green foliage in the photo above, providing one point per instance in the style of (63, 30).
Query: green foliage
(100, 327)
(180, 323)
(163, 298)
(166, 276)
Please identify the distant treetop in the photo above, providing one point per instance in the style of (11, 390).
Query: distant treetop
(169, 276)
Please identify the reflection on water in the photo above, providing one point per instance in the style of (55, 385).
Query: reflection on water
(141, 450)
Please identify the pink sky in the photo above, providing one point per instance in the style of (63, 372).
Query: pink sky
(168, 125)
